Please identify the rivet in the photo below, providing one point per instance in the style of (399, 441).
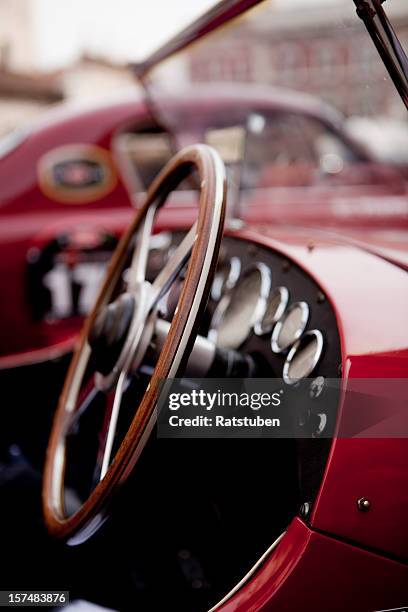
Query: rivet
(286, 266)
(363, 504)
(311, 246)
(320, 297)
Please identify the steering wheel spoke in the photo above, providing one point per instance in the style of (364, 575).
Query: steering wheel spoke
(86, 399)
(113, 415)
(136, 273)
(173, 267)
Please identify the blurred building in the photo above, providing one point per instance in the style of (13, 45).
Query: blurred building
(25, 93)
(324, 50)
(15, 34)
(23, 96)
(95, 77)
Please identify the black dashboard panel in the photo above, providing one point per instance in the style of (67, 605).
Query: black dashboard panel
(312, 453)
(301, 288)
(318, 398)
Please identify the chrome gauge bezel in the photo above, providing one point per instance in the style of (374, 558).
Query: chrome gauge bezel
(260, 329)
(276, 347)
(259, 310)
(295, 349)
(217, 317)
(230, 281)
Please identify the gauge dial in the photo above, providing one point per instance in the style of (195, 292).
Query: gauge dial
(225, 278)
(303, 357)
(277, 303)
(242, 308)
(290, 327)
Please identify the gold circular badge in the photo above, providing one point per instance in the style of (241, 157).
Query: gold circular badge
(77, 174)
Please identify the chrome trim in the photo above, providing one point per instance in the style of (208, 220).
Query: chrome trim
(276, 347)
(217, 317)
(11, 141)
(298, 346)
(259, 328)
(249, 575)
(230, 281)
(322, 425)
(259, 310)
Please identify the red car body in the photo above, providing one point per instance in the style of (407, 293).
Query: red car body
(336, 558)
(362, 206)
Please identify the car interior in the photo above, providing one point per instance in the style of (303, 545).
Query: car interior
(180, 526)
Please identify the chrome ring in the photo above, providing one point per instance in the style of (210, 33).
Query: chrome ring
(283, 292)
(295, 348)
(276, 347)
(218, 288)
(260, 307)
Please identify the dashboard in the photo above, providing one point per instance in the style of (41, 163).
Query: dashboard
(261, 306)
(264, 306)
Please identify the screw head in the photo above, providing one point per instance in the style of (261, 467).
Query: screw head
(363, 504)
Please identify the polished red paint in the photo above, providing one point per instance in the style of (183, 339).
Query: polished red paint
(310, 571)
(344, 559)
(374, 342)
(30, 219)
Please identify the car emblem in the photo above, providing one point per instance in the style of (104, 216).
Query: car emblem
(77, 174)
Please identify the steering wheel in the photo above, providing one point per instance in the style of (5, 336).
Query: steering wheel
(115, 338)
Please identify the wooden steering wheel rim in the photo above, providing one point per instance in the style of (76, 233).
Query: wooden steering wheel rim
(204, 254)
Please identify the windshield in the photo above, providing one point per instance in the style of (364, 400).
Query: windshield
(305, 90)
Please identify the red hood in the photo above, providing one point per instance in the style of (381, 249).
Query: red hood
(391, 245)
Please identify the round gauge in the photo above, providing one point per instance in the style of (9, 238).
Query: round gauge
(303, 357)
(225, 278)
(289, 329)
(242, 308)
(277, 303)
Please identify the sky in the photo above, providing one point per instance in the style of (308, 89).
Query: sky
(123, 30)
